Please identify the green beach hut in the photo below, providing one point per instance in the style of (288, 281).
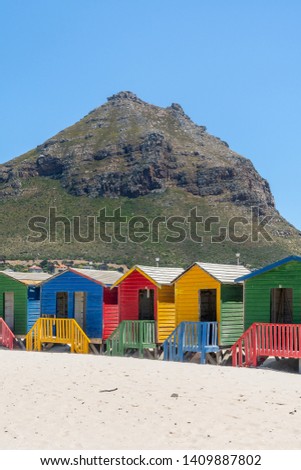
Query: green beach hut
(20, 299)
(272, 294)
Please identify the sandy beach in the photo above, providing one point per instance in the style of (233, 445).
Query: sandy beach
(65, 401)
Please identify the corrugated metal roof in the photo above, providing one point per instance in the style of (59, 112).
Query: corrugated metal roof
(224, 273)
(28, 278)
(160, 274)
(108, 278)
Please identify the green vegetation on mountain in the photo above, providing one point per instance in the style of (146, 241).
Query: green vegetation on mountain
(148, 162)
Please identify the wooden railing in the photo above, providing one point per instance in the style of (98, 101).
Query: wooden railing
(114, 342)
(267, 339)
(191, 337)
(132, 334)
(6, 335)
(57, 331)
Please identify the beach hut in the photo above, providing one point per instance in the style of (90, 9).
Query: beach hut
(20, 292)
(84, 295)
(147, 293)
(272, 294)
(207, 292)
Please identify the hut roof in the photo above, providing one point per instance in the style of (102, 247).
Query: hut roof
(28, 278)
(160, 274)
(269, 267)
(224, 273)
(157, 274)
(107, 278)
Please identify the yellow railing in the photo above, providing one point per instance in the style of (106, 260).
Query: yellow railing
(59, 331)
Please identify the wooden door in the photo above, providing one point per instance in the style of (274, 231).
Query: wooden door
(80, 308)
(9, 308)
(62, 304)
(207, 305)
(146, 304)
(281, 305)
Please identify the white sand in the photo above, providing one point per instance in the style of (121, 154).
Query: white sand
(55, 401)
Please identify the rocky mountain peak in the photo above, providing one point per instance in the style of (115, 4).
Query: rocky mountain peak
(132, 151)
(151, 161)
(178, 109)
(124, 95)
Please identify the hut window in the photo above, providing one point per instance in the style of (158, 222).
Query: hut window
(207, 303)
(281, 305)
(33, 293)
(62, 304)
(110, 296)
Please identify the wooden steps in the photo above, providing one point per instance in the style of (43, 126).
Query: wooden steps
(190, 338)
(7, 337)
(57, 331)
(262, 340)
(136, 335)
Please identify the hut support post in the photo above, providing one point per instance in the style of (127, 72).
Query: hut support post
(299, 365)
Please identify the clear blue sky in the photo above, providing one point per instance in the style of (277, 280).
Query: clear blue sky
(234, 66)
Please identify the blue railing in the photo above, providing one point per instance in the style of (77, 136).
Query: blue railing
(191, 337)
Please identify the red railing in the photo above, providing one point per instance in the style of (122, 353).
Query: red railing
(6, 335)
(267, 339)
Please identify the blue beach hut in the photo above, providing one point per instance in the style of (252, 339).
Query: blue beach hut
(80, 294)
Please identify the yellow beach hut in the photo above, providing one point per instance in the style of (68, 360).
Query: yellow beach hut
(207, 292)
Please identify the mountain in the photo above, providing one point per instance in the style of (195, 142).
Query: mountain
(139, 160)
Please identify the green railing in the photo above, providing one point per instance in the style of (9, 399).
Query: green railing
(132, 334)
